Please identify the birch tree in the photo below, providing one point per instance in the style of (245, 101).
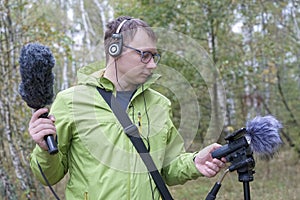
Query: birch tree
(10, 45)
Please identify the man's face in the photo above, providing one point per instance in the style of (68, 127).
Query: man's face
(131, 69)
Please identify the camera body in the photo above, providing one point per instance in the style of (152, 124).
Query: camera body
(238, 152)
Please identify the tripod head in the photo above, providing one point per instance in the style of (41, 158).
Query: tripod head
(240, 154)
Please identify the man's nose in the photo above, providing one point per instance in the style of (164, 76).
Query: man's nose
(151, 64)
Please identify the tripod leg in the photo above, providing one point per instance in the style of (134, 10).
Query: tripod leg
(246, 187)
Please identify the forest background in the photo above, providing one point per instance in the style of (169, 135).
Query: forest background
(233, 59)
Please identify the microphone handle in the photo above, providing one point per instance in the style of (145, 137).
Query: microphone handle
(51, 143)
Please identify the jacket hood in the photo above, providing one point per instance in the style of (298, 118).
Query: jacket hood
(92, 75)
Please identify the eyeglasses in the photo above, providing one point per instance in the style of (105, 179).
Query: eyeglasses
(146, 56)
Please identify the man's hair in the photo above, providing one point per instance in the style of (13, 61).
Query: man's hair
(128, 30)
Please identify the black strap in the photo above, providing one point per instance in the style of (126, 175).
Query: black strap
(132, 132)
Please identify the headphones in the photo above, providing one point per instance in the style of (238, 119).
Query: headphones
(115, 49)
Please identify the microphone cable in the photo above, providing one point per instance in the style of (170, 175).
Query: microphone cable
(46, 180)
(147, 137)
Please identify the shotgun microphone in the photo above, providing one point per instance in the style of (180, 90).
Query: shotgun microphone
(260, 133)
(36, 88)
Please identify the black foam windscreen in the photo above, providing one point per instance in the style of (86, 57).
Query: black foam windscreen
(36, 63)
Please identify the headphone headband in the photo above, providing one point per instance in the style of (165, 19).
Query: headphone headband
(120, 26)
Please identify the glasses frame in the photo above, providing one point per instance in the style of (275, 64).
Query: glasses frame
(142, 53)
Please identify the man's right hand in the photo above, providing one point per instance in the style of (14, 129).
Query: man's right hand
(40, 127)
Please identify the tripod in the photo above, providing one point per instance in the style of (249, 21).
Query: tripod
(246, 175)
(242, 161)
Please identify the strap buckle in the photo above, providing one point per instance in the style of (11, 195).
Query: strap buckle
(131, 130)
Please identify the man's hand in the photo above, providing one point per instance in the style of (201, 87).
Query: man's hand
(207, 165)
(40, 127)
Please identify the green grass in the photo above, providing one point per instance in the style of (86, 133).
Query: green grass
(277, 179)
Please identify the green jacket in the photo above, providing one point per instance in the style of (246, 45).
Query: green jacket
(101, 160)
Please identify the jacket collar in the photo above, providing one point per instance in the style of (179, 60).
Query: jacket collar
(92, 75)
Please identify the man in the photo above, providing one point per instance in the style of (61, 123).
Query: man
(101, 160)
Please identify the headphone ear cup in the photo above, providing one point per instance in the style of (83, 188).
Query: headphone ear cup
(115, 49)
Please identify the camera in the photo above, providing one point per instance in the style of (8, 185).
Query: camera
(239, 153)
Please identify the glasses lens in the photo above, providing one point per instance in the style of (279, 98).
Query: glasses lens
(146, 57)
(156, 58)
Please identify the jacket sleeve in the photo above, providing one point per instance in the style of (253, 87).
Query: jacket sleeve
(54, 166)
(179, 165)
